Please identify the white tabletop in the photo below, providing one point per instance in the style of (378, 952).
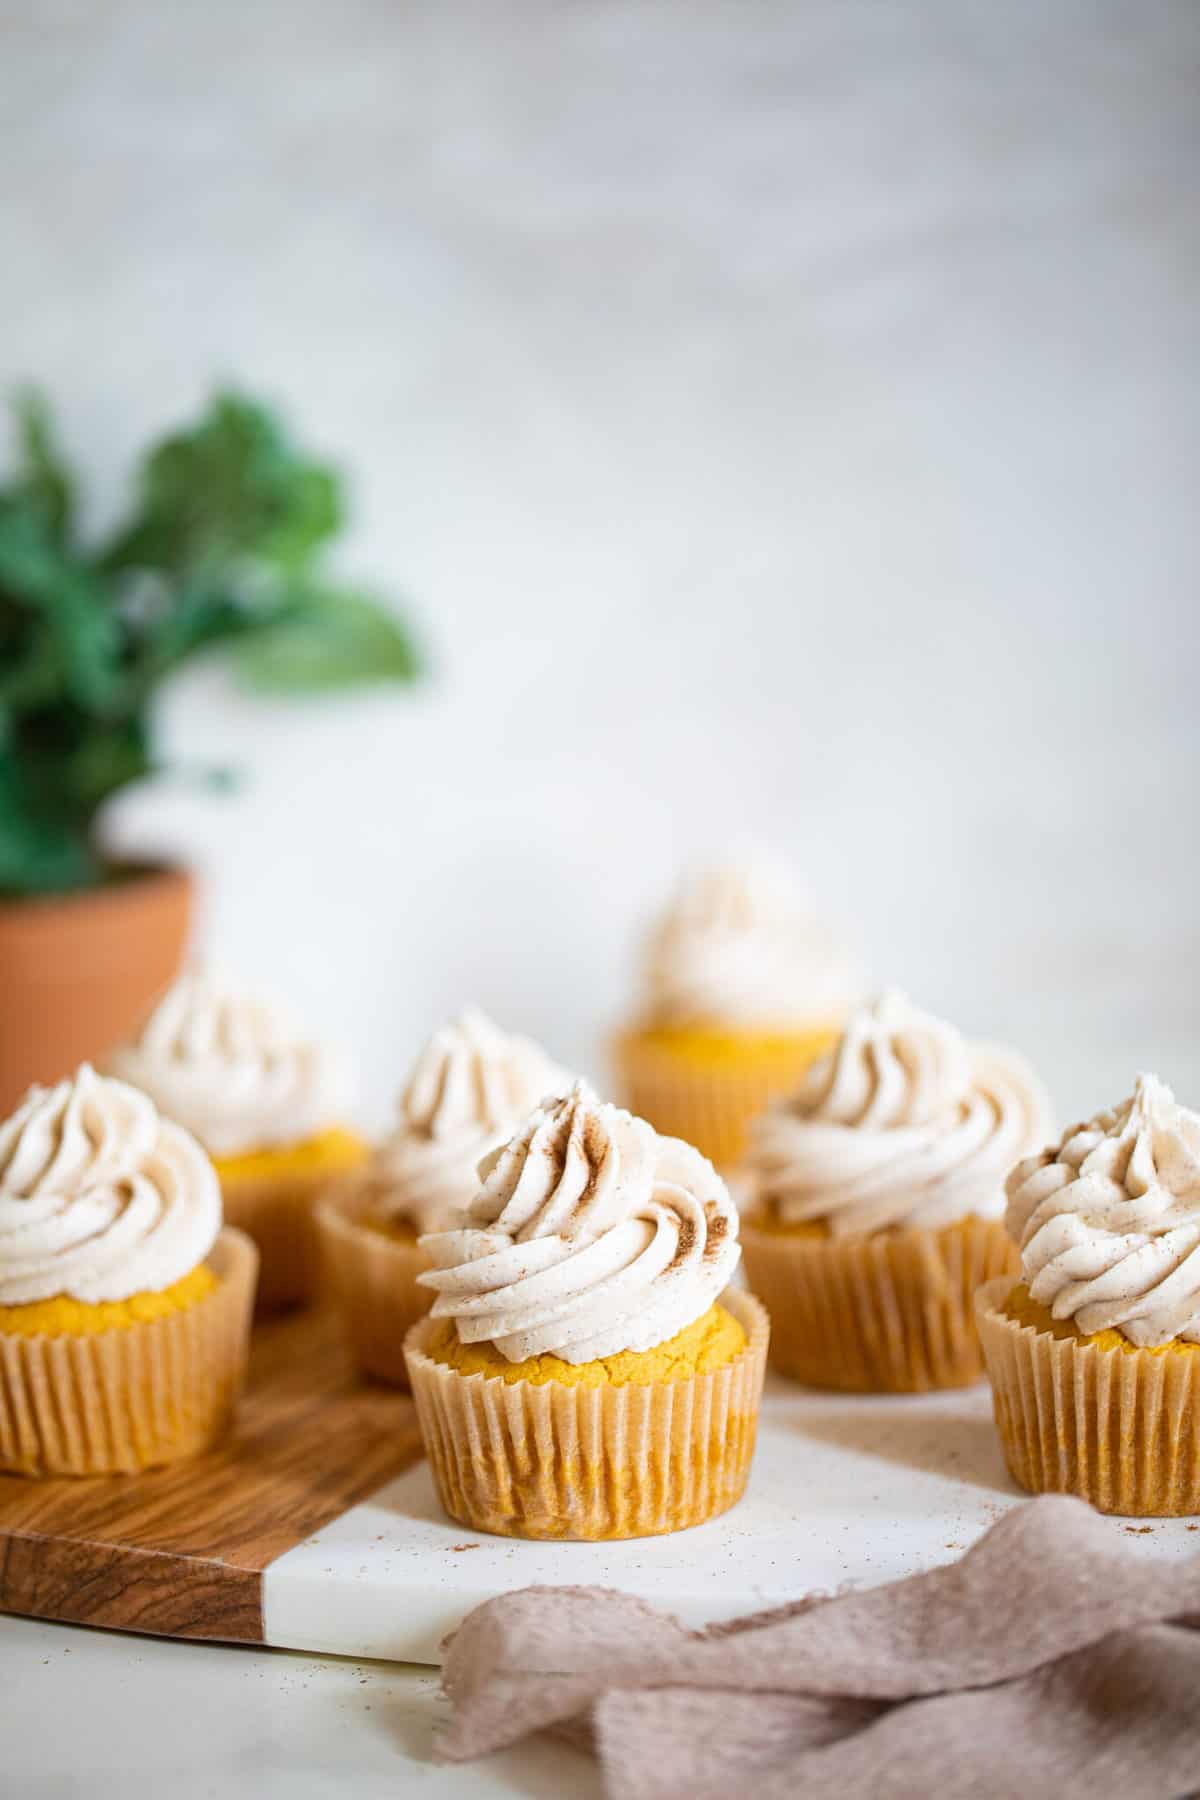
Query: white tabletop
(217, 1722)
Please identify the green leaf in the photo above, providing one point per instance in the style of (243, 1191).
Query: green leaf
(182, 619)
(56, 628)
(41, 849)
(330, 638)
(44, 477)
(219, 551)
(233, 487)
(30, 561)
(104, 761)
(31, 674)
(311, 516)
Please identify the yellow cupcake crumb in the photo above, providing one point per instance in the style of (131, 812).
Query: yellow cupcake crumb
(712, 1045)
(329, 1153)
(770, 1221)
(63, 1317)
(1025, 1310)
(819, 1228)
(708, 1343)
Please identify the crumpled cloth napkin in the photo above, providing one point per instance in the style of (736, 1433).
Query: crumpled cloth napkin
(1046, 1661)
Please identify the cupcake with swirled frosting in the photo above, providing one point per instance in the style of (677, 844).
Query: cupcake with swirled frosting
(741, 988)
(584, 1373)
(469, 1088)
(124, 1305)
(267, 1103)
(1094, 1356)
(877, 1195)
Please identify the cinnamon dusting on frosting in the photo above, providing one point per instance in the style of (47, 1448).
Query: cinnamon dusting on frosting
(589, 1235)
(468, 1088)
(100, 1197)
(232, 1068)
(902, 1123)
(1108, 1220)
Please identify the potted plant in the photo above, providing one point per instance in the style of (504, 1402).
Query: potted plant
(221, 549)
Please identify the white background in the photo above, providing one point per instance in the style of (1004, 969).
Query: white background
(783, 421)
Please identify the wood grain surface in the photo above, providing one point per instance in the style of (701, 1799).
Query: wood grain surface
(181, 1551)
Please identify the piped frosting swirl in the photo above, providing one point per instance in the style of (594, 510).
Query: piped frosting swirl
(1108, 1220)
(589, 1235)
(100, 1197)
(469, 1088)
(740, 947)
(902, 1123)
(232, 1068)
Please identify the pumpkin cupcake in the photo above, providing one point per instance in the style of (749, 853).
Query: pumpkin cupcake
(577, 1377)
(470, 1088)
(267, 1105)
(124, 1307)
(1094, 1355)
(877, 1190)
(742, 989)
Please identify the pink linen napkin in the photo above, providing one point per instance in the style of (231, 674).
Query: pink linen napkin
(1046, 1661)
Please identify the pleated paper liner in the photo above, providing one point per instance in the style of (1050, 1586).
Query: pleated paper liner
(552, 1461)
(372, 1280)
(118, 1401)
(1119, 1428)
(710, 1104)
(887, 1313)
(276, 1210)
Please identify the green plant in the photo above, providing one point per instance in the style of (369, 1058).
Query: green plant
(222, 548)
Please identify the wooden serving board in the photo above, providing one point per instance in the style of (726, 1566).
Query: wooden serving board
(181, 1551)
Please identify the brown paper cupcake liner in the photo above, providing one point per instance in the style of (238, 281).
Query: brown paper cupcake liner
(276, 1211)
(1120, 1428)
(115, 1402)
(888, 1313)
(372, 1280)
(552, 1461)
(710, 1106)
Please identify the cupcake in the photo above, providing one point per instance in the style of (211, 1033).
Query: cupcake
(742, 989)
(470, 1088)
(877, 1194)
(124, 1307)
(1094, 1355)
(580, 1374)
(265, 1102)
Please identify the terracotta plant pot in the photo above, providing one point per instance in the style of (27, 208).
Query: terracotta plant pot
(79, 971)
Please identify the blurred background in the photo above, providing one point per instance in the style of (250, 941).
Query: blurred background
(783, 423)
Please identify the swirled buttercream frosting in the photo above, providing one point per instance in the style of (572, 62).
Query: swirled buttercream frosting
(739, 947)
(902, 1123)
(1109, 1220)
(232, 1068)
(589, 1234)
(100, 1197)
(469, 1089)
